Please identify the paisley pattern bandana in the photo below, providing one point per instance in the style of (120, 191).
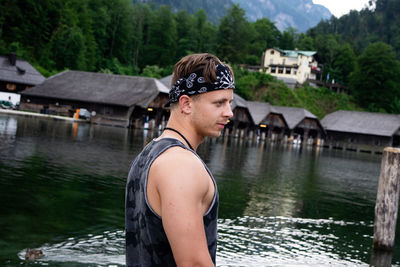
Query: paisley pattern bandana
(195, 83)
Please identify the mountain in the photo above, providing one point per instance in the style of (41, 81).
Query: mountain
(215, 9)
(299, 14)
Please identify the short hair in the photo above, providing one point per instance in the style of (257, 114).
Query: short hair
(191, 63)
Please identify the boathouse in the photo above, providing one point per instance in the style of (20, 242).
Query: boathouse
(17, 75)
(268, 122)
(361, 131)
(118, 100)
(303, 126)
(241, 122)
(166, 81)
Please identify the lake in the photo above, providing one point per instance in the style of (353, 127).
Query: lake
(62, 189)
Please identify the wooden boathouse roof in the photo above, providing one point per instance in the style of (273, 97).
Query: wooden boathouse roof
(238, 101)
(99, 88)
(260, 110)
(166, 81)
(362, 123)
(294, 116)
(19, 71)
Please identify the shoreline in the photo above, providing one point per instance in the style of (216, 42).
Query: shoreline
(48, 116)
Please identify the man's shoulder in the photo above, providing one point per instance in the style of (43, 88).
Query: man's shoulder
(177, 162)
(177, 155)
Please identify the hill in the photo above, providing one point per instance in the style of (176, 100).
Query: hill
(215, 9)
(299, 14)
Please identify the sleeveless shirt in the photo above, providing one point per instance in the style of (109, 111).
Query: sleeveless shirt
(146, 242)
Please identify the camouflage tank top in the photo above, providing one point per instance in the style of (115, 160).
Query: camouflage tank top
(146, 241)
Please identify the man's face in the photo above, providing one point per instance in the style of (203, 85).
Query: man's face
(211, 112)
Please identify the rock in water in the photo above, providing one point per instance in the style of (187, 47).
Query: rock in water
(33, 254)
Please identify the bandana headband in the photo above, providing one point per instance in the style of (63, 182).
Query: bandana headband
(195, 83)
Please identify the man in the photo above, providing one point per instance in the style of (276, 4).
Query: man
(171, 195)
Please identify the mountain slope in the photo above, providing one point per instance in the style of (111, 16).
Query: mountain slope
(299, 14)
(215, 9)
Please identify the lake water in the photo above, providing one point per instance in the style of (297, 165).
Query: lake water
(62, 190)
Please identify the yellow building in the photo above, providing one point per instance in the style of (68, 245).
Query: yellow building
(291, 66)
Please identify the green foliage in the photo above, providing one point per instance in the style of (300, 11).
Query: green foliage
(233, 33)
(138, 39)
(265, 35)
(305, 43)
(395, 106)
(156, 72)
(257, 86)
(288, 39)
(46, 73)
(161, 45)
(277, 93)
(376, 79)
(321, 101)
(115, 67)
(344, 63)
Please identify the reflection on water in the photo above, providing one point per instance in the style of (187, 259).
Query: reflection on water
(246, 241)
(105, 249)
(282, 241)
(62, 190)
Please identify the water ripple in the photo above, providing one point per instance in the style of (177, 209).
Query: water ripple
(106, 249)
(243, 241)
(282, 241)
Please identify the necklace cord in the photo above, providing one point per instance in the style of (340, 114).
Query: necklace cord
(184, 138)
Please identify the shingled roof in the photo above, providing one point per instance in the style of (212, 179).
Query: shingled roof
(260, 110)
(99, 88)
(362, 122)
(22, 72)
(294, 116)
(166, 81)
(238, 101)
(295, 53)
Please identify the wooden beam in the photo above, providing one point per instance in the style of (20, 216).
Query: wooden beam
(387, 200)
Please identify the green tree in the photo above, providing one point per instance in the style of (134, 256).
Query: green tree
(161, 47)
(327, 47)
(266, 35)
(376, 80)
(344, 61)
(185, 38)
(233, 35)
(305, 43)
(288, 39)
(141, 18)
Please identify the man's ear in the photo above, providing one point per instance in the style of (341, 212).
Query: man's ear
(185, 104)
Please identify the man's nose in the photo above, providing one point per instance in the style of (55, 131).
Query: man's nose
(228, 111)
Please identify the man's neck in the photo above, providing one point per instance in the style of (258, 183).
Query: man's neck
(190, 135)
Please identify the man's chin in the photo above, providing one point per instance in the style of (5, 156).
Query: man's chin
(215, 134)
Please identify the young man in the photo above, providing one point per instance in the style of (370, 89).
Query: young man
(171, 195)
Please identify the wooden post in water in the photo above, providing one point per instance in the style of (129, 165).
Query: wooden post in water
(387, 200)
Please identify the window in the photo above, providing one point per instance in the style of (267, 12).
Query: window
(273, 69)
(284, 61)
(271, 61)
(280, 70)
(11, 86)
(288, 70)
(272, 52)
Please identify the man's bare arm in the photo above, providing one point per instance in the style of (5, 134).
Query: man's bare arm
(182, 184)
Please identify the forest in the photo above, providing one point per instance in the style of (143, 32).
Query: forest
(360, 50)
